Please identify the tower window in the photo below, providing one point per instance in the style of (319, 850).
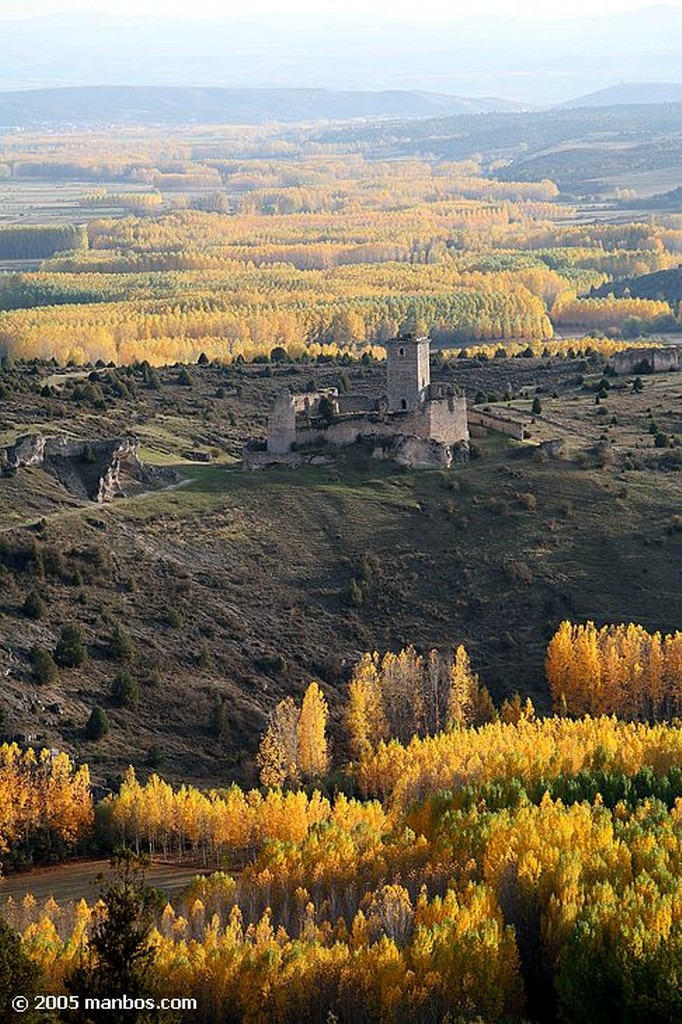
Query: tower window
(401, 351)
(403, 403)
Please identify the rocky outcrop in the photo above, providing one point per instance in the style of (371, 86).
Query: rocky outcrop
(94, 470)
(421, 452)
(26, 451)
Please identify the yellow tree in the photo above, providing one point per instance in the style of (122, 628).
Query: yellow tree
(313, 756)
(365, 717)
(463, 688)
(278, 752)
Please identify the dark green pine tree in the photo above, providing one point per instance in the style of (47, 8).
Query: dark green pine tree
(19, 976)
(119, 958)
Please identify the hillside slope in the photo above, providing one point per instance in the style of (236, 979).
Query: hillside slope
(236, 588)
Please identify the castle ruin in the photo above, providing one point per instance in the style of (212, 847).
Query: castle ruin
(416, 423)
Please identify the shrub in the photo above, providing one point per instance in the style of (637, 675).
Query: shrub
(70, 650)
(356, 596)
(536, 407)
(34, 606)
(125, 691)
(97, 724)
(326, 409)
(661, 440)
(220, 719)
(121, 647)
(44, 666)
(174, 617)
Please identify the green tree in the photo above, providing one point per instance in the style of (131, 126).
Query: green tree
(121, 647)
(119, 957)
(97, 724)
(34, 606)
(125, 691)
(70, 650)
(44, 666)
(18, 976)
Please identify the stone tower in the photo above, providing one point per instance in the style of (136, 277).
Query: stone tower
(282, 425)
(408, 373)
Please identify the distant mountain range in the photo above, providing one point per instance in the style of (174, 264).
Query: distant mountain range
(103, 105)
(629, 92)
(531, 60)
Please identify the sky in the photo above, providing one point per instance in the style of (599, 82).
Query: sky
(408, 10)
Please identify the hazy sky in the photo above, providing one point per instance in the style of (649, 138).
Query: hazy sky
(389, 9)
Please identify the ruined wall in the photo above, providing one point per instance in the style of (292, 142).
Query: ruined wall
(447, 419)
(500, 424)
(356, 403)
(659, 359)
(282, 425)
(665, 359)
(308, 402)
(346, 431)
(443, 420)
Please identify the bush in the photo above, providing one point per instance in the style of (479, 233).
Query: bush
(661, 440)
(356, 596)
(97, 724)
(125, 691)
(34, 606)
(536, 407)
(174, 617)
(326, 409)
(220, 719)
(70, 650)
(44, 666)
(121, 647)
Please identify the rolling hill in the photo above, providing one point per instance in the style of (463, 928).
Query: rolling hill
(628, 93)
(179, 105)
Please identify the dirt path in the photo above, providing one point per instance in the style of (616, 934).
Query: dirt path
(77, 881)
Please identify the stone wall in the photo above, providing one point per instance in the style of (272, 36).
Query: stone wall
(659, 360)
(447, 419)
(500, 424)
(356, 403)
(282, 425)
(346, 430)
(307, 403)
